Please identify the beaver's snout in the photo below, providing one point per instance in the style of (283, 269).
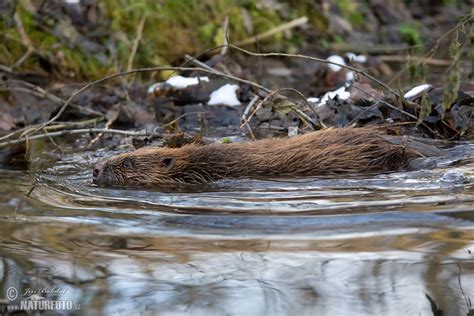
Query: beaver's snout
(98, 174)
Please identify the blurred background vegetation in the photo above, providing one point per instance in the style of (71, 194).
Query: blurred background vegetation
(88, 39)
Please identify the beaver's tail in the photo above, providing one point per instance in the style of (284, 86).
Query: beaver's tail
(417, 148)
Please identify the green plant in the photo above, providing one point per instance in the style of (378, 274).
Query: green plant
(451, 90)
(351, 11)
(410, 33)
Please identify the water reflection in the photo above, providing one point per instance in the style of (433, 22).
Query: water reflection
(380, 245)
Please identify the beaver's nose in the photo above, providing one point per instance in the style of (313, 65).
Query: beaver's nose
(96, 172)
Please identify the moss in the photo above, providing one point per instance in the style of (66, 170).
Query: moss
(172, 29)
(410, 33)
(351, 11)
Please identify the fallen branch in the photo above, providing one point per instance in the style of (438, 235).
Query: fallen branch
(249, 107)
(77, 131)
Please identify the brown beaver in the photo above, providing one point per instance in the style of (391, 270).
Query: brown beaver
(322, 153)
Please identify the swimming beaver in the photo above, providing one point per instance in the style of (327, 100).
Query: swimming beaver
(326, 152)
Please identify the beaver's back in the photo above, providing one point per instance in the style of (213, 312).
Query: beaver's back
(321, 153)
(331, 151)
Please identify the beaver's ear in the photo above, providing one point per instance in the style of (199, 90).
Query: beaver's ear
(168, 162)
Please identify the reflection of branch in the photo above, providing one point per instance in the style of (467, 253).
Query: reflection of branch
(468, 300)
(76, 131)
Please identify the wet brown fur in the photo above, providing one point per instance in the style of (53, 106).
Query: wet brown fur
(327, 152)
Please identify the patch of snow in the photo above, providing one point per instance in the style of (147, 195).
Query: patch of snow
(350, 76)
(357, 58)
(178, 82)
(417, 90)
(313, 100)
(72, 1)
(225, 95)
(335, 59)
(292, 131)
(340, 93)
(154, 87)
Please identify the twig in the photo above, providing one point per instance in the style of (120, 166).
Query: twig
(6, 69)
(420, 59)
(393, 107)
(283, 27)
(61, 125)
(109, 123)
(300, 113)
(76, 131)
(271, 94)
(252, 135)
(225, 26)
(372, 49)
(248, 108)
(52, 140)
(25, 39)
(40, 92)
(180, 117)
(302, 97)
(197, 62)
(136, 42)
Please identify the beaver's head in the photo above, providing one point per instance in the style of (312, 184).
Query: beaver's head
(146, 166)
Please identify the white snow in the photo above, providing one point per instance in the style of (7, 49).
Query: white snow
(154, 87)
(72, 1)
(417, 90)
(350, 76)
(225, 95)
(178, 82)
(340, 93)
(313, 100)
(357, 58)
(335, 59)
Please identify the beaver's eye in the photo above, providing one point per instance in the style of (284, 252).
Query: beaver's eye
(127, 163)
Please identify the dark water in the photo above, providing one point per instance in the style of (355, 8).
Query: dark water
(391, 244)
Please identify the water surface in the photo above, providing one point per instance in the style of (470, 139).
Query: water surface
(389, 244)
